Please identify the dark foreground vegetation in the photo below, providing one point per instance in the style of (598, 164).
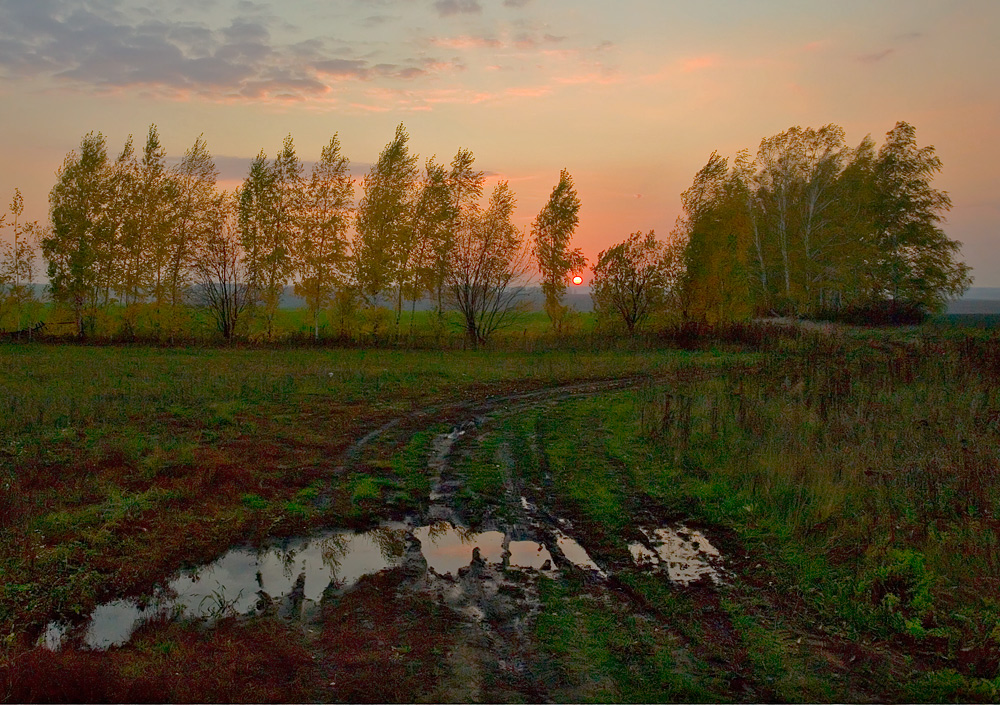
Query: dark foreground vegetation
(848, 478)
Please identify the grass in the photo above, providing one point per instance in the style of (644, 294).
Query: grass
(850, 480)
(171, 454)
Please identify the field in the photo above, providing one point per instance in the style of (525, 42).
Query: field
(831, 496)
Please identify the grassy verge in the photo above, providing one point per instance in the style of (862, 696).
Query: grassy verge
(859, 473)
(117, 465)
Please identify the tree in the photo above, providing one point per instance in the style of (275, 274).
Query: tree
(551, 231)
(194, 181)
(917, 262)
(489, 258)
(464, 186)
(17, 265)
(255, 213)
(717, 228)
(813, 224)
(384, 226)
(143, 208)
(321, 249)
(220, 269)
(634, 278)
(79, 249)
(275, 260)
(433, 220)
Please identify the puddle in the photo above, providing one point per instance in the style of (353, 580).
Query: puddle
(685, 553)
(447, 548)
(298, 573)
(242, 581)
(529, 554)
(642, 556)
(576, 554)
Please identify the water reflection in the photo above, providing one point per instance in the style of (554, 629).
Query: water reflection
(576, 554)
(242, 581)
(286, 577)
(529, 554)
(687, 554)
(448, 548)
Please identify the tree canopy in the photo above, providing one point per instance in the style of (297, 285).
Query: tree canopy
(812, 225)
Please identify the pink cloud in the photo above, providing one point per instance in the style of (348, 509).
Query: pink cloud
(466, 42)
(528, 91)
(370, 108)
(594, 77)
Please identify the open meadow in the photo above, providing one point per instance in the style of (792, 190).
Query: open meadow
(749, 513)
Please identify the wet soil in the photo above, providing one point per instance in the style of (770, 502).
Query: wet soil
(443, 603)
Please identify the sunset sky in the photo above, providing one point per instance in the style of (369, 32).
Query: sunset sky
(631, 97)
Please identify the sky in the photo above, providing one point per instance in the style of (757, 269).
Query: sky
(630, 96)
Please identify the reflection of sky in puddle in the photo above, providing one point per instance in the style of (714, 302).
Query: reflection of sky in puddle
(684, 552)
(529, 554)
(575, 553)
(233, 582)
(303, 569)
(641, 555)
(447, 548)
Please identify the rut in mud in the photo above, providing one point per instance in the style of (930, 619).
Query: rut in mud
(473, 601)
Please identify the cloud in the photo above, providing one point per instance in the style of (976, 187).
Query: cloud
(97, 45)
(376, 20)
(446, 8)
(876, 57)
(515, 3)
(466, 42)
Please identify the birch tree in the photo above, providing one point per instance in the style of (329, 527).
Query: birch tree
(717, 230)
(918, 262)
(17, 265)
(490, 262)
(78, 250)
(552, 230)
(220, 269)
(383, 244)
(321, 249)
(635, 277)
(433, 216)
(256, 205)
(194, 182)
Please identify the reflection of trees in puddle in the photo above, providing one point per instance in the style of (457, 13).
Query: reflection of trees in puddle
(288, 562)
(337, 550)
(391, 542)
(333, 549)
(442, 528)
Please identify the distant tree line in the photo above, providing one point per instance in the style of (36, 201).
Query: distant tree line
(151, 240)
(806, 227)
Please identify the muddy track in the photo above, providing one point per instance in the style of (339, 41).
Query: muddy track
(498, 612)
(469, 410)
(479, 615)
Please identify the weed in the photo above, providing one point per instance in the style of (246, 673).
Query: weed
(254, 502)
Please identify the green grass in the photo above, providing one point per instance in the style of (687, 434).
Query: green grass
(858, 472)
(602, 653)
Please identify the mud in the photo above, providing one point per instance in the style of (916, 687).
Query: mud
(686, 555)
(487, 577)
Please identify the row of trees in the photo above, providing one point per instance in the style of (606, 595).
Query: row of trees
(151, 238)
(812, 224)
(809, 224)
